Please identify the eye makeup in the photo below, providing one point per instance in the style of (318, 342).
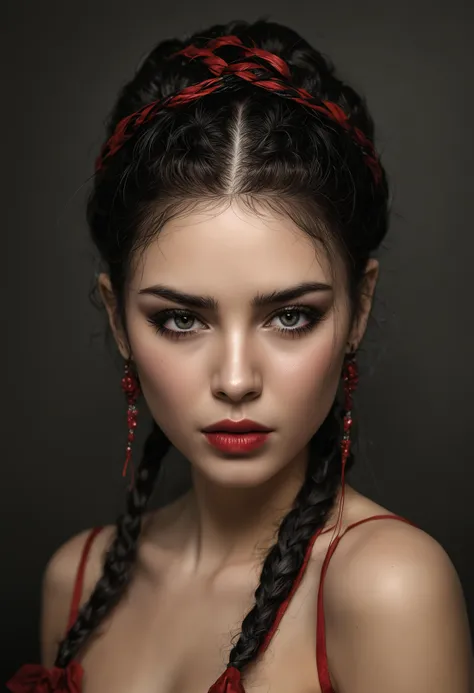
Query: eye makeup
(313, 317)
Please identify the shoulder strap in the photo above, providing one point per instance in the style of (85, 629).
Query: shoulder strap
(79, 582)
(321, 653)
(284, 605)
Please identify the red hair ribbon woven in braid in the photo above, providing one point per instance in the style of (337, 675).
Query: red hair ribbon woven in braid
(228, 682)
(249, 71)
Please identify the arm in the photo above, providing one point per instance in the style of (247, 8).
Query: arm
(399, 622)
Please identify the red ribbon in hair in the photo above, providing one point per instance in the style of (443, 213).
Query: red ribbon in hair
(228, 682)
(218, 65)
(248, 71)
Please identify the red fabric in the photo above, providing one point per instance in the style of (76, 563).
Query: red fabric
(284, 605)
(228, 682)
(35, 678)
(79, 582)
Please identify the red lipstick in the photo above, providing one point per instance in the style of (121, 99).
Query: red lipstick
(237, 436)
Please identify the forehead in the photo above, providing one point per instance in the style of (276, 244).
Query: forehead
(231, 249)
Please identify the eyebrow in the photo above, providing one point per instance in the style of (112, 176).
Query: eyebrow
(210, 303)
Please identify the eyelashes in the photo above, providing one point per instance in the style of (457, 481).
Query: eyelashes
(158, 320)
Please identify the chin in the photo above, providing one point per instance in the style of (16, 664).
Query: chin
(238, 472)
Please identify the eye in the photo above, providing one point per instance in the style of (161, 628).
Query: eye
(312, 316)
(187, 318)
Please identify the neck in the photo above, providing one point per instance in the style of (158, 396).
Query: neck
(227, 526)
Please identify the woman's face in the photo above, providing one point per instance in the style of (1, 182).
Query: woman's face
(277, 363)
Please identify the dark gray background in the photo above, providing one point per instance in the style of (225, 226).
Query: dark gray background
(64, 418)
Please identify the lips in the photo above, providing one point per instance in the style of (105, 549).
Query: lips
(242, 426)
(237, 443)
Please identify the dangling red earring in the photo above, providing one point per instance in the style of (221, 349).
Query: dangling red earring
(131, 388)
(350, 376)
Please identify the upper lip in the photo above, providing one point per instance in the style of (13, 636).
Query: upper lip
(242, 426)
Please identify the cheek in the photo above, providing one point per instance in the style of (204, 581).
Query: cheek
(167, 386)
(310, 386)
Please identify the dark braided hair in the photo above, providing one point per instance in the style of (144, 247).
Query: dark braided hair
(120, 557)
(270, 148)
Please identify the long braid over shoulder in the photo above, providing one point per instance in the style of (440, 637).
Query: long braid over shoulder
(119, 561)
(285, 558)
(272, 151)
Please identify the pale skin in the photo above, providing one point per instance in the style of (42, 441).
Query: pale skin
(395, 614)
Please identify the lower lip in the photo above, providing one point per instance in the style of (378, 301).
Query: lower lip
(237, 442)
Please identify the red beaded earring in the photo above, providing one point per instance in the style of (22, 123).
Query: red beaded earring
(131, 388)
(350, 376)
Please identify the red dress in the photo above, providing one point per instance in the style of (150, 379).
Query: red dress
(35, 678)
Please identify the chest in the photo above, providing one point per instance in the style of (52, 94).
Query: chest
(176, 638)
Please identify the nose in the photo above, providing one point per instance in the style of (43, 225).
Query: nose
(238, 375)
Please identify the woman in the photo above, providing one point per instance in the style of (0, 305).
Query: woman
(237, 204)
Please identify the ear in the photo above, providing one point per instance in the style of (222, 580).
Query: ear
(367, 289)
(110, 303)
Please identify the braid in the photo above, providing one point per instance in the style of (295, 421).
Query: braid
(223, 81)
(285, 559)
(119, 561)
(176, 148)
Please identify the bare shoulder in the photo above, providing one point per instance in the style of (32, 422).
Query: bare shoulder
(384, 553)
(392, 594)
(61, 570)
(58, 584)
(381, 554)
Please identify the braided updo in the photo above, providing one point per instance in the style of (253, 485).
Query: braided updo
(309, 158)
